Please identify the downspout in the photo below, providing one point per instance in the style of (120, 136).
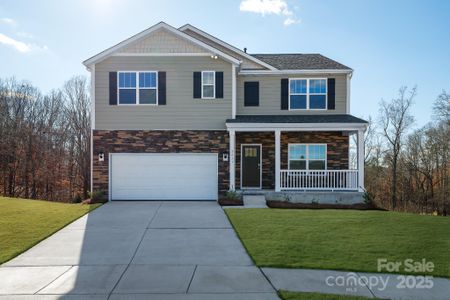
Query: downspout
(233, 91)
(91, 69)
(349, 77)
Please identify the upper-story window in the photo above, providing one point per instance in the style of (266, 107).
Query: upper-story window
(307, 94)
(208, 84)
(141, 91)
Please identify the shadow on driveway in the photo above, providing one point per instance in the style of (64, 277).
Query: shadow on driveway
(139, 250)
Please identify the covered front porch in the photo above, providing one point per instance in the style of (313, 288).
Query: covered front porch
(292, 153)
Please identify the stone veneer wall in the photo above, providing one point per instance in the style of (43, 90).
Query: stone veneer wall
(337, 146)
(337, 151)
(157, 141)
(267, 140)
(193, 141)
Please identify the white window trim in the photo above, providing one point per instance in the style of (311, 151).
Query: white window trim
(137, 88)
(308, 94)
(307, 155)
(213, 84)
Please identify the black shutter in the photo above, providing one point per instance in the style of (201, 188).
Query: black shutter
(331, 93)
(197, 84)
(161, 88)
(112, 88)
(219, 84)
(284, 94)
(251, 93)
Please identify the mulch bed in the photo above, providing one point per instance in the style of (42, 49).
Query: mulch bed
(284, 204)
(228, 202)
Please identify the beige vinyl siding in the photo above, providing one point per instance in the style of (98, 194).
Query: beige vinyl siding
(182, 111)
(270, 95)
(162, 41)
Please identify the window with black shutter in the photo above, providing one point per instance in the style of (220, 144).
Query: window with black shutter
(251, 93)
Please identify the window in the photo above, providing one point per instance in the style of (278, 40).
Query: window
(307, 94)
(138, 87)
(307, 156)
(147, 88)
(127, 88)
(251, 93)
(208, 84)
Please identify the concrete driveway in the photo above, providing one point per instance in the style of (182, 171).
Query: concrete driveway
(139, 250)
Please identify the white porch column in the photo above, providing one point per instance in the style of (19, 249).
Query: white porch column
(277, 161)
(232, 159)
(360, 153)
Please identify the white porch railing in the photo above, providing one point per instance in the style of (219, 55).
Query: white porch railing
(319, 180)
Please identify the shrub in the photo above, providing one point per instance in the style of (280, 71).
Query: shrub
(232, 195)
(97, 196)
(368, 197)
(77, 199)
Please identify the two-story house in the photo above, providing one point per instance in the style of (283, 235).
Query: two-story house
(179, 114)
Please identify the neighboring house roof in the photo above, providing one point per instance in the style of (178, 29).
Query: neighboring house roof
(296, 119)
(106, 53)
(299, 61)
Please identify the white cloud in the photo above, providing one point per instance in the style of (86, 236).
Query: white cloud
(8, 21)
(25, 34)
(20, 46)
(268, 7)
(290, 21)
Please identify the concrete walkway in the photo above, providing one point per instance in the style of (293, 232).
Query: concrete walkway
(371, 285)
(139, 250)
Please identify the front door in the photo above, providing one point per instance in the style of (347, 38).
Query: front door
(251, 166)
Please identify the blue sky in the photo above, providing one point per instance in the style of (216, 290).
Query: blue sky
(387, 43)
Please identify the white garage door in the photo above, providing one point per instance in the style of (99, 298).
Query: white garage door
(158, 176)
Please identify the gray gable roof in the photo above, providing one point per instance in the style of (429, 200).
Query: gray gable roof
(296, 119)
(300, 62)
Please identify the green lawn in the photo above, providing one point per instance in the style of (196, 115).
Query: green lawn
(342, 239)
(24, 223)
(285, 295)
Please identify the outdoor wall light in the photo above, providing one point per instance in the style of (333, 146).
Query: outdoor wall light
(225, 156)
(101, 156)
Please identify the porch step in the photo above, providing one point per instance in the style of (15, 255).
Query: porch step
(254, 201)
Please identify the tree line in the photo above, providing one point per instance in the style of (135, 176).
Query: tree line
(407, 168)
(45, 140)
(45, 148)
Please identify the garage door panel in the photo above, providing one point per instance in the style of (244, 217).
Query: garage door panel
(174, 176)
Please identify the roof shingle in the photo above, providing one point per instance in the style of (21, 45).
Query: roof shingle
(300, 62)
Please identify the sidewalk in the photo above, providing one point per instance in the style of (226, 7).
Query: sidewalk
(372, 285)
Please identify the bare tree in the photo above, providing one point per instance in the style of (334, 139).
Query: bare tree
(395, 120)
(44, 140)
(441, 107)
(78, 112)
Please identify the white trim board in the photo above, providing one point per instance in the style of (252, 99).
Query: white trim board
(108, 52)
(161, 54)
(296, 126)
(299, 72)
(226, 45)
